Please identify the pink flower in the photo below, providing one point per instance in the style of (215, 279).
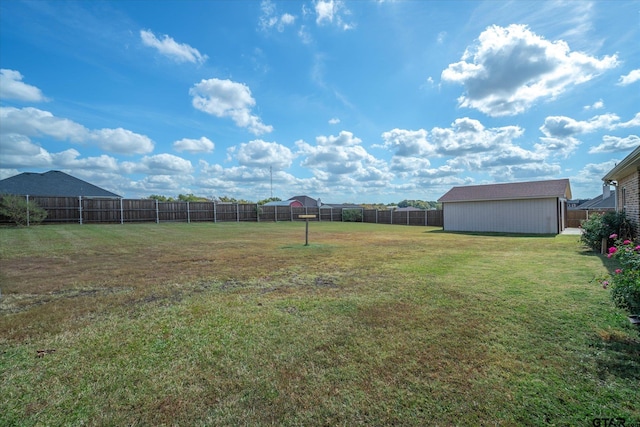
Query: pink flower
(626, 242)
(618, 271)
(605, 284)
(613, 250)
(638, 248)
(613, 236)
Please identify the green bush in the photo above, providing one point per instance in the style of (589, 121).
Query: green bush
(352, 215)
(625, 281)
(18, 210)
(602, 226)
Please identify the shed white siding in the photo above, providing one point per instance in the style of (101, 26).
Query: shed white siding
(535, 216)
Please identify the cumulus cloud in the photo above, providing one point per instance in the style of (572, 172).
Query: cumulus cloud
(408, 143)
(167, 46)
(343, 139)
(632, 77)
(561, 131)
(511, 68)
(334, 121)
(259, 153)
(612, 144)
(270, 18)
(335, 157)
(469, 136)
(468, 144)
(332, 12)
(163, 164)
(121, 141)
(12, 87)
(32, 122)
(595, 106)
(225, 98)
(202, 145)
(557, 146)
(562, 126)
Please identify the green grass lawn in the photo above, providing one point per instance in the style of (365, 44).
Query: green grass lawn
(241, 324)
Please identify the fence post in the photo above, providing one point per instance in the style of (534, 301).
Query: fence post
(157, 213)
(121, 212)
(215, 219)
(391, 216)
(290, 213)
(80, 207)
(237, 212)
(188, 214)
(376, 216)
(27, 210)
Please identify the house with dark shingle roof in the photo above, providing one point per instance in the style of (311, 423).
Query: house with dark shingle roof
(535, 207)
(52, 184)
(626, 178)
(307, 202)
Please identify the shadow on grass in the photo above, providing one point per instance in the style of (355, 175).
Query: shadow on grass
(620, 356)
(491, 234)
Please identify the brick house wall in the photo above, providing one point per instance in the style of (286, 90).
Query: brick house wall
(629, 199)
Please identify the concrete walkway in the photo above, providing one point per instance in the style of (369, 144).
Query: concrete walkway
(572, 231)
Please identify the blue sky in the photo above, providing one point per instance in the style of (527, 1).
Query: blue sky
(349, 101)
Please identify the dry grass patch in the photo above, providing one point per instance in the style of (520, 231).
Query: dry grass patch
(241, 324)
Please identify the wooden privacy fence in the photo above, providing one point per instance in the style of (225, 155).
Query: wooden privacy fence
(576, 216)
(85, 210)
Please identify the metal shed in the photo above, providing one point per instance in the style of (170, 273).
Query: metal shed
(536, 207)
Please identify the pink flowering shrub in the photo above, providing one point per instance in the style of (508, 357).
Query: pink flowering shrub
(625, 282)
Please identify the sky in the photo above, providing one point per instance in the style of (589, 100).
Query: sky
(363, 101)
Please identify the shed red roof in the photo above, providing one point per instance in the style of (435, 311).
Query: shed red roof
(509, 191)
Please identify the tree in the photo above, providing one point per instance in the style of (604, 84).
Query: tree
(21, 211)
(191, 198)
(270, 199)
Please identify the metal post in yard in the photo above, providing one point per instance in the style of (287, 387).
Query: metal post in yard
(121, 212)
(188, 214)
(215, 219)
(306, 229)
(80, 207)
(157, 213)
(27, 210)
(237, 212)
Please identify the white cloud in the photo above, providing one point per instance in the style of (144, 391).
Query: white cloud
(511, 68)
(335, 157)
(563, 146)
(632, 77)
(33, 122)
(259, 153)
(344, 139)
(164, 164)
(270, 18)
(562, 126)
(12, 87)
(179, 52)
(202, 145)
(225, 98)
(611, 144)
(408, 143)
(121, 141)
(595, 106)
(560, 132)
(334, 121)
(332, 12)
(469, 136)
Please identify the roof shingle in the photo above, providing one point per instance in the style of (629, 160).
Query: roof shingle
(52, 183)
(509, 191)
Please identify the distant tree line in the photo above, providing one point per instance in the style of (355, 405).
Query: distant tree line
(420, 204)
